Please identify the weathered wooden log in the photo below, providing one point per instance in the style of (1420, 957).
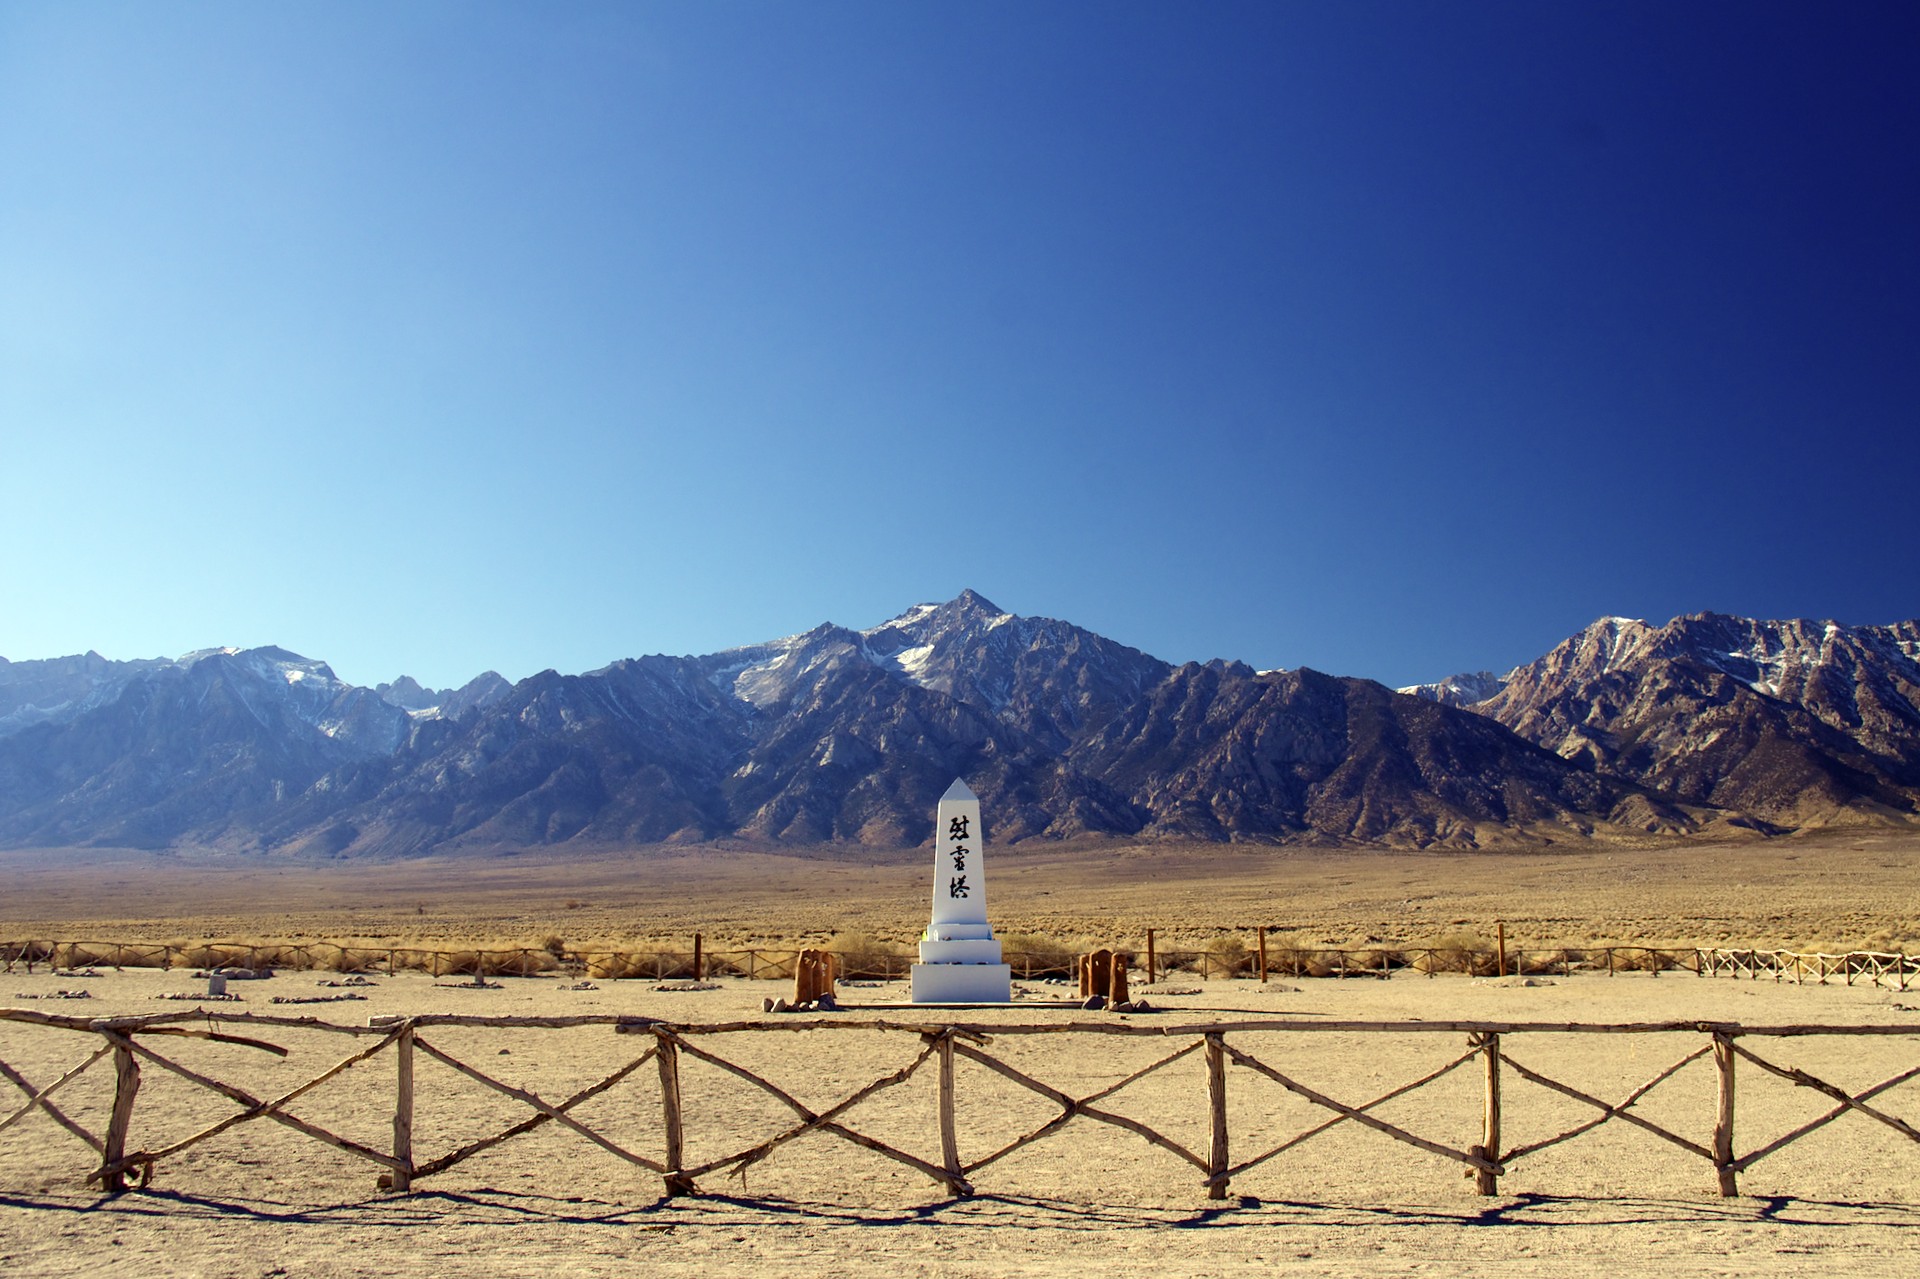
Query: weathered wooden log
(403, 1111)
(147, 1158)
(1723, 1056)
(126, 1085)
(39, 1099)
(1619, 1111)
(1337, 1120)
(949, 1126)
(1356, 1114)
(1487, 1176)
(264, 1109)
(1075, 1107)
(667, 1058)
(1217, 1158)
(1753, 1157)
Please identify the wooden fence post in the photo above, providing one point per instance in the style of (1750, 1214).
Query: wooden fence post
(949, 1127)
(1723, 1123)
(1501, 931)
(1261, 941)
(699, 961)
(1150, 956)
(126, 1083)
(677, 1182)
(1486, 1182)
(1217, 1107)
(403, 1110)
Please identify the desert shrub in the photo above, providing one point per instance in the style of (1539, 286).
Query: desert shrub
(31, 952)
(493, 963)
(348, 959)
(1456, 953)
(1039, 955)
(1226, 957)
(861, 956)
(555, 946)
(727, 963)
(614, 965)
(1380, 960)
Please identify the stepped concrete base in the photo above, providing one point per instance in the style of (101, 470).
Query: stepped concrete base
(963, 983)
(970, 951)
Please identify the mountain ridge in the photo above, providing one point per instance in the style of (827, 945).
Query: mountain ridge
(844, 736)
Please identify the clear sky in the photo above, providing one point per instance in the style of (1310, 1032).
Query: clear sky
(1388, 339)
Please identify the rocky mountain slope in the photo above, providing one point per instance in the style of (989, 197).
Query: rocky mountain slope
(1795, 722)
(851, 735)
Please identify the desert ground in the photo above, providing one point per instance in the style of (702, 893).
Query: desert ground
(1833, 890)
(260, 1199)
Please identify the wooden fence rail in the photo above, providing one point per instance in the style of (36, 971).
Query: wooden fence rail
(1898, 971)
(1258, 1051)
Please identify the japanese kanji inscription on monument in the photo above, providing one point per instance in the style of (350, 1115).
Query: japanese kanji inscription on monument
(959, 957)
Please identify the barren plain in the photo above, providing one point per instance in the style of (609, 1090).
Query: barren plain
(260, 1199)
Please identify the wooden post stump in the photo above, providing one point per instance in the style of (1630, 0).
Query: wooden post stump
(402, 1178)
(1217, 1110)
(1723, 1121)
(126, 1084)
(1096, 973)
(1150, 957)
(1485, 1181)
(1117, 987)
(813, 975)
(668, 1057)
(949, 1128)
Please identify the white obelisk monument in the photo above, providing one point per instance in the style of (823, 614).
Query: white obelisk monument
(959, 958)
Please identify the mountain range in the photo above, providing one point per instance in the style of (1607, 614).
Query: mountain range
(1624, 731)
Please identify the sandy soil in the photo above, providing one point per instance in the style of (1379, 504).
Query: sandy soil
(262, 1200)
(1836, 890)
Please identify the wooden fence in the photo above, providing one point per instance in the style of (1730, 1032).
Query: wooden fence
(1898, 971)
(1250, 1048)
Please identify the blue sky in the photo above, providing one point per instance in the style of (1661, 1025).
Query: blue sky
(1388, 339)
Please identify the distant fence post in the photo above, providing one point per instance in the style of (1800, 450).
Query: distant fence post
(1150, 957)
(1260, 940)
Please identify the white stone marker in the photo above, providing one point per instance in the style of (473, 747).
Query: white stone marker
(959, 958)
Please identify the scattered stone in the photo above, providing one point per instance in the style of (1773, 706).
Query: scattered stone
(76, 972)
(197, 997)
(1134, 1006)
(1094, 1003)
(1172, 990)
(58, 994)
(1515, 982)
(682, 987)
(579, 985)
(478, 983)
(1275, 988)
(310, 999)
(355, 980)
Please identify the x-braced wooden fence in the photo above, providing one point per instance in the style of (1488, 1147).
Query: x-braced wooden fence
(129, 1042)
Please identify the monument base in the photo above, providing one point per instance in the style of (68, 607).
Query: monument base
(962, 983)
